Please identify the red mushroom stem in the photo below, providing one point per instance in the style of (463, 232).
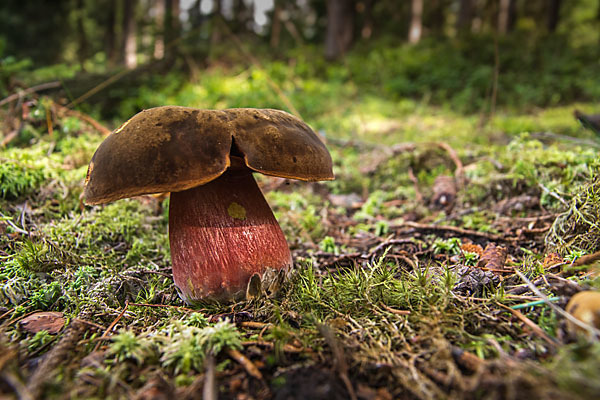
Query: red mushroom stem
(221, 234)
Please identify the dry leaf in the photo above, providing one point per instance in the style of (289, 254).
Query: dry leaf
(493, 257)
(50, 321)
(552, 259)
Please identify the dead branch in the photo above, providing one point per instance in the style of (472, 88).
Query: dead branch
(54, 358)
(33, 89)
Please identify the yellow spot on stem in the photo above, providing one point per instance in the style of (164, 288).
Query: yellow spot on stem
(236, 210)
(190, 285)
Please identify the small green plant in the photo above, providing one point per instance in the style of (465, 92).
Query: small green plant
(328, 245)
(196, 319)
(38, 340)
(574, 255)
(184, 351)
(450, 246)
(221, 335)
(371, 207)
(469, 258)
(187, 347)
(382, 228)
(126, 345)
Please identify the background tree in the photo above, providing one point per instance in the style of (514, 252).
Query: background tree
(129, 44)
(553, 14)
(83, 32)
(340, 28)
(110, 37)
(465, 16)
(159, 29)
(416, 22)
(38, 29)
(172, 27)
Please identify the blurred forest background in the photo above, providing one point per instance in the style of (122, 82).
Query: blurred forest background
(474, 54)
(464, 189)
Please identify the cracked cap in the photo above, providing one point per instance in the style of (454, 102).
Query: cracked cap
(170, 149)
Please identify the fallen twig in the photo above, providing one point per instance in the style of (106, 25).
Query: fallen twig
(33, 89)
(454, 229)
(23, 393)
(534, 327)
(587, 259)
(553, 194)
(255, 324)
(162, 305)
(286, 347)
(84, 117)
(209, 390)
(54, 358)
(339, 360)
(593, 331)
(459, 171)
(112, 325)
(394, 311)
(413, 179)
(248, 365)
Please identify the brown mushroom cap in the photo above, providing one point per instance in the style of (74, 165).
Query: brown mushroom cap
(170, 149)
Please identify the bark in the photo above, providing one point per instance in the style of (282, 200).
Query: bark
(172, 26)
(367, 28)
(195, 16)
(276, 25)
(109, 33)
(437, 16)
(416, 21)
(129, 47)
(159, 24)
(553, 14)
(81, 37)
(243, 14)
(340, 28)
(506, 16)
(465, 16)
(215, 35)
(223, 235)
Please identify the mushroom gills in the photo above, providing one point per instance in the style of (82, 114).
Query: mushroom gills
(225, 241)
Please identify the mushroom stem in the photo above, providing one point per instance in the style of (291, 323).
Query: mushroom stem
(221, 235)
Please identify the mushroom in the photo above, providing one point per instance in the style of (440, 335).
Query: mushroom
(585, 306)
(225, 242)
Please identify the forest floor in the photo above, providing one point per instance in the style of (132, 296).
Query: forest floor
(436, 265)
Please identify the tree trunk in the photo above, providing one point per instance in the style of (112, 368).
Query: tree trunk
(215, 34)
(437, 16)
(81, 39)
(465, 16)
(276, 25)
(340, 28)
(159, 34)
(416, 21)
(172, 26)
(110, 38)
(553, 15)
(504, 16)
(129, 48)
(367, 28)
(243, 14)
(195, 16)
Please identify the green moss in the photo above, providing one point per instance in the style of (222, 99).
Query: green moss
(577, 229)
(17, 180)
